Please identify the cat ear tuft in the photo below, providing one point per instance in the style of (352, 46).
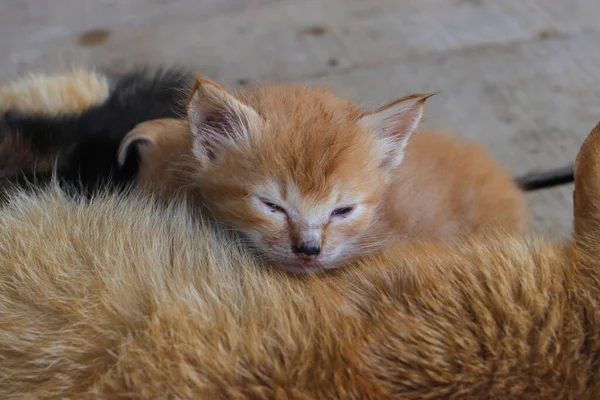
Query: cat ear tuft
(217, 119)
(393, 124)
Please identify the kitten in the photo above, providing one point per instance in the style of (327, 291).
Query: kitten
(311, 180)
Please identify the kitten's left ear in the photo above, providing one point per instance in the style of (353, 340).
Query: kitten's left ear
(394, 123)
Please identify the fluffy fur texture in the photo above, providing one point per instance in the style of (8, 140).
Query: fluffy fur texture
(76, 125)
(56, 94)
(119, 298)
(311, 180)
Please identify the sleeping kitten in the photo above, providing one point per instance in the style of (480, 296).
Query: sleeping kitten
(311, 180)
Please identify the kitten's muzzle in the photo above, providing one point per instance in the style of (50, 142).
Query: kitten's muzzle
(307, 249)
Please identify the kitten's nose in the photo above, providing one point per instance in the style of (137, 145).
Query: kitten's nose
(307, 249)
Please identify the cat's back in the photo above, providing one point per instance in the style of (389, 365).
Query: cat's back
(454, 185)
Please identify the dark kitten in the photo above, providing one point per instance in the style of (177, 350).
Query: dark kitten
(82, 147)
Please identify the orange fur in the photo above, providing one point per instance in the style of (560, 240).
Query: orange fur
(164, 307)
(445, 185)
(163, 154)
(275, 161)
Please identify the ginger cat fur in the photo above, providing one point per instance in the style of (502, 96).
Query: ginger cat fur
(118, 298)
(311, 180)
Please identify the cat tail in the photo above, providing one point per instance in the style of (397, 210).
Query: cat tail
(546, 179)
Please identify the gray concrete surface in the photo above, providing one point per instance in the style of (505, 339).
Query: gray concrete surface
(522, 76)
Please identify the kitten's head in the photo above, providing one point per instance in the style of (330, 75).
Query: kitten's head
(299, 172)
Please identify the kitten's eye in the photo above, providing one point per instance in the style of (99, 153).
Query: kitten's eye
(342, 211)
(274, 207)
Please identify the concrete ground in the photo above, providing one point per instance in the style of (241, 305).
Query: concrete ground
(522, 76)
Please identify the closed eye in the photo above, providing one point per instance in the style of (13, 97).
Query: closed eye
(342, 211)
(272, 206)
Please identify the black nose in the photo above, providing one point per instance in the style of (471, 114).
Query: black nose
(307, 249)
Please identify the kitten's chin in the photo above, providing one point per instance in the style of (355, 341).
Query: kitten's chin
(301, 269)
(304, 268)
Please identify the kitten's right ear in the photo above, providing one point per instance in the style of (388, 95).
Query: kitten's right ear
(218, 119)
(393, 125)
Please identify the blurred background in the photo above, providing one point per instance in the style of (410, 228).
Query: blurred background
(521, 76)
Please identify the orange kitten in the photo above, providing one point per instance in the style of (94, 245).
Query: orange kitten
(311, 180)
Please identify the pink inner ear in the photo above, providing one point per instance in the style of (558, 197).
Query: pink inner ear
(216, 127)
(393, 127)
(210, 118)
(404, 122)
(218, 121)
(397, 121)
